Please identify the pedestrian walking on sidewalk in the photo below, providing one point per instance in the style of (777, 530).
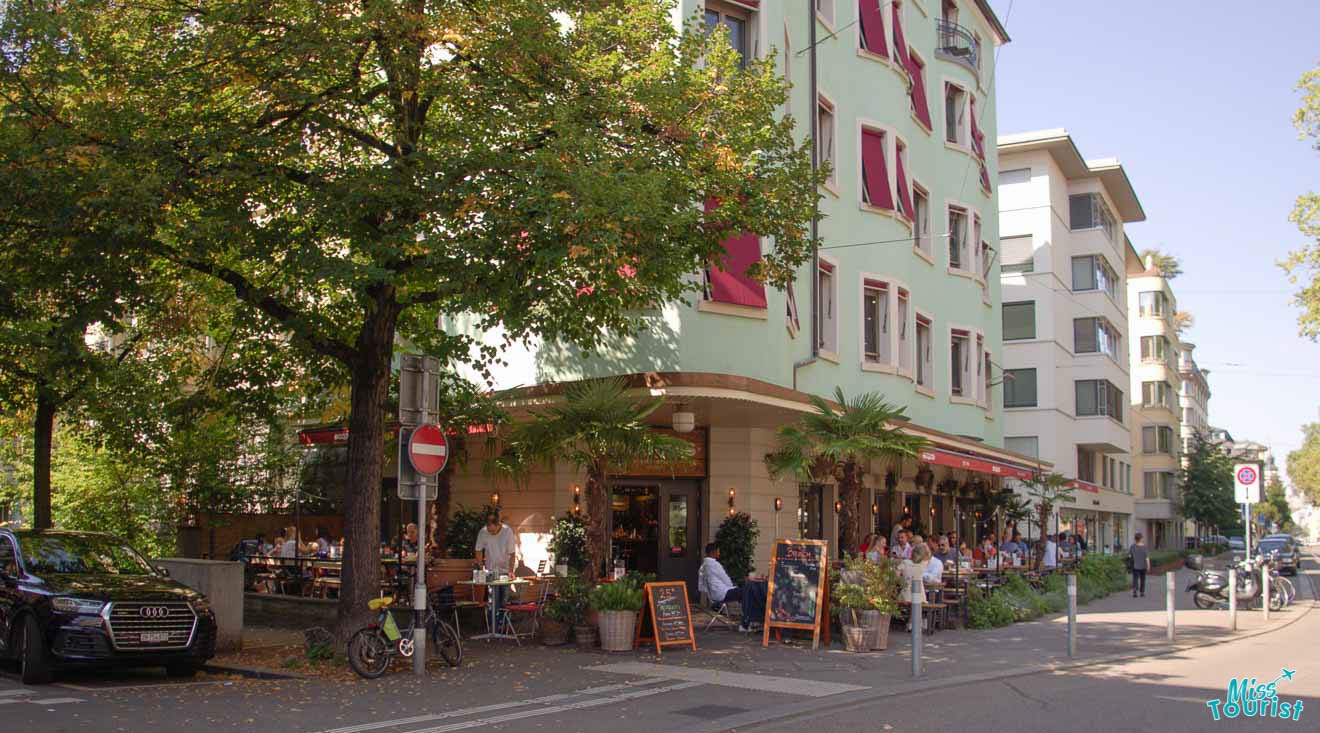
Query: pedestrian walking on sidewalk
(1138, 561)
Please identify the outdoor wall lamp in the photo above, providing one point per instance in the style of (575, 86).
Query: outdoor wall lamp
(732, 493)
(495, 499)
(838, 507)
(577, 499)
(779, 504)
(875, 508)
(683, 420)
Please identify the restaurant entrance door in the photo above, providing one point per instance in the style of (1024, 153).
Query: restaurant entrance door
(655, 527)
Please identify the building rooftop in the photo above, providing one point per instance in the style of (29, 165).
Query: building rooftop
(1060, 144)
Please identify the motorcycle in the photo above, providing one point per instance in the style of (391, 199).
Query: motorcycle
(1210, 588)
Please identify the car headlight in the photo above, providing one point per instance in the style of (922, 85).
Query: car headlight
(80, 606)
(201, 604)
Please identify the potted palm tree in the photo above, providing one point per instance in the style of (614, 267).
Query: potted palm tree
(851, 599)
(616, 605)
(601, 429)
(838, 441)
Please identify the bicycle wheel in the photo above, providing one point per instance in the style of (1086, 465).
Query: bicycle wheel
(1289, 590)
(446, 641)
(369, 653)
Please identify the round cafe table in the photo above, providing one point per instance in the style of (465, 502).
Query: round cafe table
(495, 602)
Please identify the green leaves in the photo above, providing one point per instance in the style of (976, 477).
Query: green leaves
(1304, 464)
(1303, 265)
(821, 443)
(1207, 485)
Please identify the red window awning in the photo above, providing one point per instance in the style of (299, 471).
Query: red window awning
(900, 43)
(919, 105)
(904, 193)
(339, 435)
(973, 463)
(731, 284)
(873, 26)
(874, 170)
(978, 138)
(1084, 486)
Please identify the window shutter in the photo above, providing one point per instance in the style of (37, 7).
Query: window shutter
(873, 26)
(876, 177)
(729, 282)
(904, 193)
(1016, 254)
(900, 43)
(920, 106)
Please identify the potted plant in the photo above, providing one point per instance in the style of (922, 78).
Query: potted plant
(568, 543)
(877, 602)
(573, 592)
(736, 539)
(850, 598)
(617, 605)
(557, 620)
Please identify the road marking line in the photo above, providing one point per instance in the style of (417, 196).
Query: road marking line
(525, 714)
(495, 707)
(56, 700)
(763, 683)
(7, 693)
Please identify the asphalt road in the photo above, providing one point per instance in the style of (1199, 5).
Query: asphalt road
(1167, 693)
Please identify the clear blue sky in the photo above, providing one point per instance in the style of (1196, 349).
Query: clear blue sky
(1196, 99)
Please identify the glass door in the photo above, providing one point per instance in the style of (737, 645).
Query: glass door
(679, 551)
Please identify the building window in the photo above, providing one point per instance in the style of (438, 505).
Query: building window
(1019, 388)
(875, 322)
(1092, 272)
(1016, 254)
(825, 10)
(982, 370)
(1096, 397)
(904, 198)
(1095, 336)
(734, 21)
(955, 115)
(921, 219)
(904, 339)
(1157, 439)
(1089, 211)
(1019, 320)
(925, 363)
(975, 245)
(791, 311)
(829, 322)
(1156, 349)
(871, 24)
(960, 363)
(875, 171)
(958, 238)
(1086, 465)
(825, 132)
(917, 93)
(1158, 484)
(1014, 177)
(1152, 304)
(1158, 394)
(1026, 445)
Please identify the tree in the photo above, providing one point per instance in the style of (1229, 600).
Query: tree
(1304, 464)
(1048, 491)
(1303, 265)
(1275, 507)
(838, 442)
(358, 172)
(600, 429)
(1207, 485)
(1182, 321)
(1168, 265)
(465, 410)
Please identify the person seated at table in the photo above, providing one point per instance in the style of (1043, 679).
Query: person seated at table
(496, 547)
(913, 568)
(719, 589)
(934, 569)
(902, 549)
(866, 544)
(289, 543)
(944, 551)
(1014, 545)
(322, 542)
(1050, 555)
(902, 525)
(877, 549)
(410, 539)
(985, 554)
(965, 553)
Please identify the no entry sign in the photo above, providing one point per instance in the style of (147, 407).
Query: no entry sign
(428, 449)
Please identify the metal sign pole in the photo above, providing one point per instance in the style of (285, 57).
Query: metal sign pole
(419, 588)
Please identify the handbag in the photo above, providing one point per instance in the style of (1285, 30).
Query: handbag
(1127, 563)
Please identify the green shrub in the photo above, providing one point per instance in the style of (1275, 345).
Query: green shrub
(568, 541)
(1163, 557)
(1055, 601)
(617, 596)
(736, 538)
(988, 610)
(572, 598)
(461, 531)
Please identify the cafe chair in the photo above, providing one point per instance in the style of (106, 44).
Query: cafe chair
(532, 609)
(722, 614)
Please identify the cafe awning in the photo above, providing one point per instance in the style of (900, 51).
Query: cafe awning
(940, 457)
(338, 434)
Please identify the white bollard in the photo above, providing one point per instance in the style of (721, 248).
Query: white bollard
(918, 598)
(1232, 599)
(1072, 615)
(1265, 591)
(1169, 597)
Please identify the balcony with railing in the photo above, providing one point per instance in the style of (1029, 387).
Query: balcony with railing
(957, 44)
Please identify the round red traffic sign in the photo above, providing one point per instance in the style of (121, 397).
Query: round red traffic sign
(1246, 475)
(428, 449)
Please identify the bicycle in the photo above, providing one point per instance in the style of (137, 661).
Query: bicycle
(371, 649)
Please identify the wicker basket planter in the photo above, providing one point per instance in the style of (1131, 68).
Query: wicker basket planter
(854, 638)
(584, 635)
(617, 629)
(554, 633)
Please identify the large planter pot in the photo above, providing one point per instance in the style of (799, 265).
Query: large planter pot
(616, 630)
(554, 633)
(854, 638)
(879, 640)
(584, 635)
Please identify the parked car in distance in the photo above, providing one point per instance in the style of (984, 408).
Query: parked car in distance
(72, 599)
(1237, 544)
(1290, 556)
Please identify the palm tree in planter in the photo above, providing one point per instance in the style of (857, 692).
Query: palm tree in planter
(1048, 491)
(601, 429)
(840, 443)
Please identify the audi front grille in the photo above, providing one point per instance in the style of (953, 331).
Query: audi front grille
(150, 626)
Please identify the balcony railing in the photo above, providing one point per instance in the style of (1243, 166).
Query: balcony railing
(957, 44)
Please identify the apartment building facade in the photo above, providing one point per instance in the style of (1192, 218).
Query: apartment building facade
(1195, 398)
(1156, 406)
(903, 300)
(1064, 260)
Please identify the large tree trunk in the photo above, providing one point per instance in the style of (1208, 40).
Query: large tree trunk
(598, 502)
(850, 522)
(43, 435)
(366, 450)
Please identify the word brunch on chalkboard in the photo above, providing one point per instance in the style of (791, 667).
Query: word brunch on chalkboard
(667, 616)
(798, 580)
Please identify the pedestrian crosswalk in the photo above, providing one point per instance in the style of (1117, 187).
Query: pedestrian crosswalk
(26, 696)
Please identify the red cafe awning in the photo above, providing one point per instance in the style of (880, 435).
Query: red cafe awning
(339, 435)
(1084, 486)
(973, 463)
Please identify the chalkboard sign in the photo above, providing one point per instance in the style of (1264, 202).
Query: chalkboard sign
(799, 574)
(667, 615)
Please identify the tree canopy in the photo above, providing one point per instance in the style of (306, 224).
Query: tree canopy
(1207, 485)
(1304, 464)
(1303, 264)
(1168, 265)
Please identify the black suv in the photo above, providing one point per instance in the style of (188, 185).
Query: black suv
(85, 598)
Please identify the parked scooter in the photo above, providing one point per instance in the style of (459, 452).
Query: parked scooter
(1210, 588)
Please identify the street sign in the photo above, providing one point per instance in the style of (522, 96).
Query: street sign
(1246, 483)
(418, 393)
(428, 449)
(413, 485)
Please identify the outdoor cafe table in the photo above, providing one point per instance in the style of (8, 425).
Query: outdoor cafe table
(494, 601)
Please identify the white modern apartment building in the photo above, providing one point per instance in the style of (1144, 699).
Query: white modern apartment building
(1156, 407)
(1064, 261)
(1195, 395)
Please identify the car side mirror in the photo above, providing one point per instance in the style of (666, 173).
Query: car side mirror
(164, 571)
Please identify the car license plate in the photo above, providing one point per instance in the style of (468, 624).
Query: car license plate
(154, 636)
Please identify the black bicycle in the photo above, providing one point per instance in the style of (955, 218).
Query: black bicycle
(372, 648)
